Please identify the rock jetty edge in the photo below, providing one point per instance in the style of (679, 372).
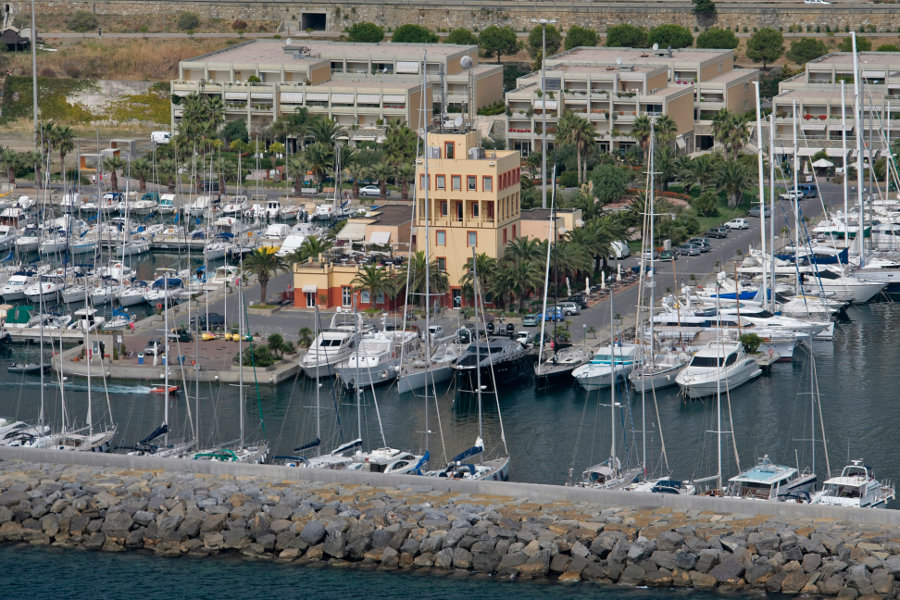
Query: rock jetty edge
(523, 531)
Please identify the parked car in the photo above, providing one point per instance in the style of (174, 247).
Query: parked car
(531, 320)
(792, 195)
(810, 190)
(717, 232)
(371, 191)
(569, 308)
(702, 242)
(737, 224)
(754, 212)
(668, 255)
(649, 254)
(689, 250)
(554, 314)
(578, 299)
(619, 249)
(153, 346)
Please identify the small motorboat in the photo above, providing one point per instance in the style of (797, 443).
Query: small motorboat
(26, 368)
(164, 390)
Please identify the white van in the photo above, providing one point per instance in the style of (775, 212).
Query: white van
(160, 137)
(619, 249)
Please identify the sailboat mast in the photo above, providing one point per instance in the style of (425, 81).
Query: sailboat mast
(796, 170)
(651, 284)
(612, 380)
(477, 350)
(166, 363)
(241, 356)
(762, 196)
(88, 354)
(844, 155)
(41, 355)
(771, 209)
(551, 239)
(857, 89)
(427, 246)
(718, 392)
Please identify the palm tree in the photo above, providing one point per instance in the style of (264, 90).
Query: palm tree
(399, 142)
(167, 172)
(113, 164)
(34, 159)
(12, 160)
(357, 172)
(640, 131)
(730, 130)
(372, 278)
(665, 164)
(415, 268)
(665, 128)
(142, 170)
(313, 246)
(485, 265)
(319, 159)
(297, 165)
(264, 263)
(382, 171)
(404, 173)
(62, 138)
(526, 249)
(325, 130)
(572, 259)
(733, 177)
(579, 132)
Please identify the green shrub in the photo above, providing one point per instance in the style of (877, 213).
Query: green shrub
(83, 21)
(187, 21)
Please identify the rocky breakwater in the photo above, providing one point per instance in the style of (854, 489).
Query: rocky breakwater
(417, 527)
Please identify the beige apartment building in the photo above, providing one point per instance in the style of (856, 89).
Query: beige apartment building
(613, 86)
(474, 203)
(361, 86)
(817, 95)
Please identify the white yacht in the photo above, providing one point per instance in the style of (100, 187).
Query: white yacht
(215, 250)
(416, 373)
(235, 207)
(14, 288)
(199, 207)
(768, 481)
(376, 358)
(8, 235)
(386, 460)
(166, 204)
(29, 240)
(103, 294)
(659, 371)
(86, 319)
(717, 367)
(132, 294)
(856, 487)
(609, 363)
(45, 289)
(333, 346)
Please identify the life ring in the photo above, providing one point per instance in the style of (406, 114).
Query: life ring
(158, 305)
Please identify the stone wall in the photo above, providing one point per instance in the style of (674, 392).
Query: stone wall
(444, 527)
(518, 14)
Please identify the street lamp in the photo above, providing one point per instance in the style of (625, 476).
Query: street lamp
(543, 23)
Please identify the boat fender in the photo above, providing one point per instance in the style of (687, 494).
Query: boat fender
(159, 306)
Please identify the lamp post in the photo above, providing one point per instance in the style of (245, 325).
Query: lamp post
(543, 23)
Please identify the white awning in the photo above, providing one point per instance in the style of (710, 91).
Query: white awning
(364, 138)
(352, 232)
(368, 99)
(394, 98)
(840, 127)
(182, 93)
(261, 95)
(380, 238)
(550, 104)
(867, 153)
(235, 95)
(407, 66)
(810, 126)
(800, 151)
(316, 97)
(292, 97)
(874, 74)
(343, 98)
(310, 288)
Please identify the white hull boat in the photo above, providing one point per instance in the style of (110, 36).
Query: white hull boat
(717, 368)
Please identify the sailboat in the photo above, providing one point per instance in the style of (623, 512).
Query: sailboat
(495, 469)
(610, 474)
(240, 451)
(658, 367)
(564, 357)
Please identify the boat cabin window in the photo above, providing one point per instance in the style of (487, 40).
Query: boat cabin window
(706, 361)
(730, 360)
(330, 343)
(602, 358)
(828, 275)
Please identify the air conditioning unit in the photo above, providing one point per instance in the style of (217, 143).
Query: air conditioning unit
(476, 153)
(434, 152)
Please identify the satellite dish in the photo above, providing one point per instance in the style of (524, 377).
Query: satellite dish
(288, 41)
(618, 60)
(458, 121)
(655, 46)
(466, 62)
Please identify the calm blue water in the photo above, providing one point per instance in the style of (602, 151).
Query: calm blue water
(82, 574)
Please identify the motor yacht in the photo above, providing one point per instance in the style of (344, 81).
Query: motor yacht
(608, 364)
(333, 346)
(856, 487)
(14, 288)
(376, 358)
(717, 368)
(499, 360)
(769, 481)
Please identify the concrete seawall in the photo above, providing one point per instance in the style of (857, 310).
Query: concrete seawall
(174, 508)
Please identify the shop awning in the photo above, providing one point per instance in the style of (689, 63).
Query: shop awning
(407, 66)
(310, 288)
(352, 232)
(380, 238)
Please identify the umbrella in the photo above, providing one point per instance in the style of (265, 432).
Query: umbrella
(587, 286)
(822, 163)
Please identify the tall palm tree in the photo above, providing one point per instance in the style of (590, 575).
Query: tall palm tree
(297, 165)
(12, 160)
(113, 164)
(404, 173)
(399, 142)
(319, 159)
(734, 177)
(382, 171)
(578, 132)
(572, 260)
(526, 249)
(34, 159)
(485, 265)
(731, 130)
(372, 278)
(415, 268)
(142, 170)
(357, 172)
(640, 131)
(665, 128)
(264, 263)
(325, 130)
(166, 169)
(62, 139)
(313, 246)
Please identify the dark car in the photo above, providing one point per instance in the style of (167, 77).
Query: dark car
(208, 321)
(717, 232)
(578, 299)
(668, 255)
